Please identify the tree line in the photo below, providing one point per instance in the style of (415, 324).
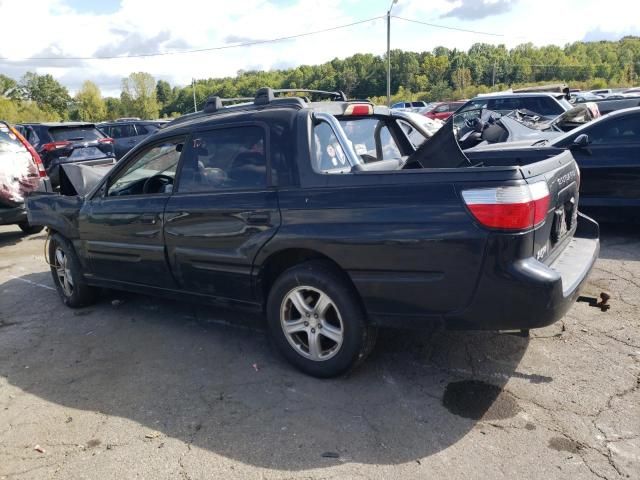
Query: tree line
(440, 74)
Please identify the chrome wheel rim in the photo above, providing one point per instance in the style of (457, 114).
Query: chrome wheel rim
(311, 323)
(61, 264)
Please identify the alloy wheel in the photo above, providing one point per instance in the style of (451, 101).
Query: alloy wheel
(312, 323)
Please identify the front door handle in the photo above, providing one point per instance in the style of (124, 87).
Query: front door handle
(151, 218)
(259, 218)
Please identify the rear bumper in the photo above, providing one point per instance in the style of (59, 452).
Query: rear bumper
(528, 293)
(10, 216)
(516, 295)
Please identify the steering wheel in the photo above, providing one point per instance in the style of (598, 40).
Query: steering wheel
(156, 181)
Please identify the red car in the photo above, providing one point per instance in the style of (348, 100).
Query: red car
(442, 110)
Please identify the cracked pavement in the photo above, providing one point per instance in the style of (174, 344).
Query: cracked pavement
(149, 388)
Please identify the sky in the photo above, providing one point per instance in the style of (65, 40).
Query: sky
(63, 30)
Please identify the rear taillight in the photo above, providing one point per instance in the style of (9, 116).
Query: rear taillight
(106, 140)
(48, 147)
(509, 208)
(34, 155)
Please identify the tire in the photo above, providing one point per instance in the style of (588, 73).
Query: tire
(30, 229)
(327, 333)
(67, 274)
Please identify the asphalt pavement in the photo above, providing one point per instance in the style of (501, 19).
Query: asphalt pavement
(141, 387)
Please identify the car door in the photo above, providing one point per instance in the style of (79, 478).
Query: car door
(223, 211)
(124, 138)
(121, 225)
(610, 164)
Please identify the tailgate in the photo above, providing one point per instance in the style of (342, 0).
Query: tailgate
(563, 179)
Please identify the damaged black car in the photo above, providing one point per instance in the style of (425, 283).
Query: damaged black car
(329, 219)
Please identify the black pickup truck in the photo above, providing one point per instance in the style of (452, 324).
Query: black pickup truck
(331, 220)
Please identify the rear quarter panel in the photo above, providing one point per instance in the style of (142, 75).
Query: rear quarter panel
(409, 249)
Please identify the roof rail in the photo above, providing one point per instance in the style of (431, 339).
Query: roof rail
(215, 103)
(266, 95)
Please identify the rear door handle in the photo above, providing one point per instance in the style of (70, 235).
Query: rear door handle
(259, 218)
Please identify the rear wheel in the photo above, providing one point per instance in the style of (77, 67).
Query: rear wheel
(30, 229)
(316, 321)
(67, 274)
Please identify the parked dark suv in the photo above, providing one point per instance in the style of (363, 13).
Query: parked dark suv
(326, 217)
(68, 142)
(547, 105)
(127, 134)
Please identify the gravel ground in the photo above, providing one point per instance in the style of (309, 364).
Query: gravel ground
(136, 387)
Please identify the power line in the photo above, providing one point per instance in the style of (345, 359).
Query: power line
(209, 49)
(448, 28)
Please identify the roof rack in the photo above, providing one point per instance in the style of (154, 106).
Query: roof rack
(269, 93)
(215, 103)
(264, 96)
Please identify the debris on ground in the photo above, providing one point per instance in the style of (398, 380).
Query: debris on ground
(152, 435)
(330, 455)
(38, 448)
(116, 303)
(255, 367)
(593, 302)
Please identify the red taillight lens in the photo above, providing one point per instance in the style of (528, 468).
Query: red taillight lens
(47, 147)
(36, 158)
(106, 140)
(509, 208)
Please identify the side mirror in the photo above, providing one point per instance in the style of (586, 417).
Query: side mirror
(581, 141)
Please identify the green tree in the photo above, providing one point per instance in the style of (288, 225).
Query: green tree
(139, 95)
(461, 78)
(164, 93)
(8, 87)
(90, 107)
(113, 107)
(46, 91)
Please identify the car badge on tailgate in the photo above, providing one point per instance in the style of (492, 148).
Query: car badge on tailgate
(566, 178)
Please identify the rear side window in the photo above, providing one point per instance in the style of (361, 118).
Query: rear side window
(145, 129)
(75, 134)
(622, 130)
(9, 143)
(505, 104)
(371, 137)
(543, 105)
(122, 131)
(227, 158)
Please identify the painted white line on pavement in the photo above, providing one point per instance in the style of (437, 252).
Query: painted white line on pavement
(31, 283)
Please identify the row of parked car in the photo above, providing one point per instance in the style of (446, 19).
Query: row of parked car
(32, 156)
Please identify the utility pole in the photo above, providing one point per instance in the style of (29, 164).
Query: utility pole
(193, 87)
(389, 52)
(495, 63)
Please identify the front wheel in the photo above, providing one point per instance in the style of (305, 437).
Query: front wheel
(316, 321)
(67, 274)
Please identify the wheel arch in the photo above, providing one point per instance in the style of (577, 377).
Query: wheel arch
(278, 262)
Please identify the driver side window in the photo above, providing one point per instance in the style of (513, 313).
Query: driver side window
(152, 171)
